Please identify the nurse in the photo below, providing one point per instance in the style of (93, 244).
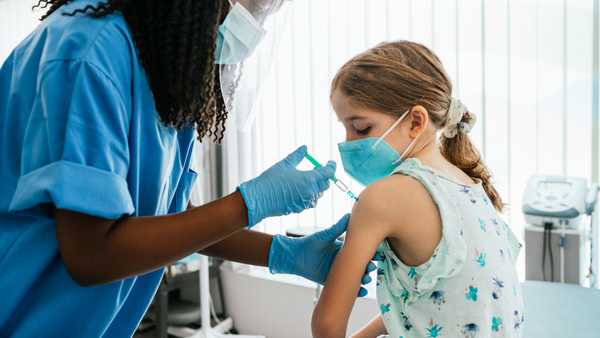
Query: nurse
(99, 109)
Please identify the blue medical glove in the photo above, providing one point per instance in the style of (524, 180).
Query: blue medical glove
(311, 257)
(283, 189)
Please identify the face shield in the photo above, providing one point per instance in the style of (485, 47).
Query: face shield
(246, 46)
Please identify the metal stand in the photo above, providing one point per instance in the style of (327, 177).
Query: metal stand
(207, 331)
(591, 201)
(594, 283)
(562, 244)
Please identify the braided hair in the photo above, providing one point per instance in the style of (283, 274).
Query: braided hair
(176, 42)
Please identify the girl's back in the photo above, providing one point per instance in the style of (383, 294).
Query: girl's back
(469, 286)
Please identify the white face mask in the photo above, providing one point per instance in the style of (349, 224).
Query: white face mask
(238, 36)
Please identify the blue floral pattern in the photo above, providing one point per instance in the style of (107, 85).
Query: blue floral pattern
(471, 293)
(480, 258)
(470, 330)
(482, 225)
(471, 269)
(434, 330)
(385, 308)
(496, 324)
(437, 297)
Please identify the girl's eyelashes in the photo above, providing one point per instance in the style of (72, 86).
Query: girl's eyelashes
(361, 126)
(364, 131)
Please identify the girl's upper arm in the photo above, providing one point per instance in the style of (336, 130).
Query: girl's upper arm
(369, 225)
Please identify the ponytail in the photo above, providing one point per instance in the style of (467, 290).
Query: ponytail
(460, 151)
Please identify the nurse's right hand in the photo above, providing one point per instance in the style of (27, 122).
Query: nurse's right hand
(283, 189)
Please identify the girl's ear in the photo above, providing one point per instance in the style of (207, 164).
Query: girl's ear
(419, 119)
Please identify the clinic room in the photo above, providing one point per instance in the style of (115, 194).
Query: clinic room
(299, 168)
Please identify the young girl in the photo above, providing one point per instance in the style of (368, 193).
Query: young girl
(429, 210)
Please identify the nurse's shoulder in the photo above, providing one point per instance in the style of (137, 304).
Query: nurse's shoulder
(105, 43)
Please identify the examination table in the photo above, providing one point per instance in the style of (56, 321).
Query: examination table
(560, 310)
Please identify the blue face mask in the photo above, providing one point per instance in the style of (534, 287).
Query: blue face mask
(238, 36)
(371, 159)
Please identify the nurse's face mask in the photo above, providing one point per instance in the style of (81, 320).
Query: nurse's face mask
(245, 46)
(238, 36)
(370, 159)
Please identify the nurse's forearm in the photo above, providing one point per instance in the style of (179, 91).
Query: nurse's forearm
(248, 247)
(97, 250)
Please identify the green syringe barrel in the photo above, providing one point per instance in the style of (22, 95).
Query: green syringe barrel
(317, 164)
(313, 160)
(341, 185)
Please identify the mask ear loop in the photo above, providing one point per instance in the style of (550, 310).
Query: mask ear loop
(409, 149)
(390, 129)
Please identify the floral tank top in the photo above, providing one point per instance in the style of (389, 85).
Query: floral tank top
(469, 287)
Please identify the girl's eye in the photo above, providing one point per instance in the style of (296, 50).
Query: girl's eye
(364, 131)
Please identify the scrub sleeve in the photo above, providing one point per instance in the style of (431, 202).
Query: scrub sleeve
(86, 128)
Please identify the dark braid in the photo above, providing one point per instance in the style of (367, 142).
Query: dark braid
(176, 42)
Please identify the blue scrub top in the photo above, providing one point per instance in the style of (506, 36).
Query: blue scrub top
(79, 130)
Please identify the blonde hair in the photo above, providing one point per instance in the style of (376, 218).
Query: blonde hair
(392, 78)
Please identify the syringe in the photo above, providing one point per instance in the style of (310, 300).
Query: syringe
(338, 183)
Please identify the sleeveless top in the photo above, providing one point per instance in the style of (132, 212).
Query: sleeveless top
(469, 287)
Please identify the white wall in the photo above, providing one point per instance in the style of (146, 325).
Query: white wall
(17, 20)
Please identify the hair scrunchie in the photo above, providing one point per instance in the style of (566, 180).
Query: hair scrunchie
(455, 120)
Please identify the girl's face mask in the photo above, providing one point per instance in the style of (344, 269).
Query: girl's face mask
(370, 159)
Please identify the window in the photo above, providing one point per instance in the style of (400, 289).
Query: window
(17, 20)
(525, 67)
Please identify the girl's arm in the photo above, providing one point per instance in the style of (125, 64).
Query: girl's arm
(396, 207)
(374, 328)
(367, 228)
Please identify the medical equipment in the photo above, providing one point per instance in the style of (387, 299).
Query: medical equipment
(555, 201)
(554, 208)
(338, 183)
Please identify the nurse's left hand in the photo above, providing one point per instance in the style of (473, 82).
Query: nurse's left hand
(311, 257)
